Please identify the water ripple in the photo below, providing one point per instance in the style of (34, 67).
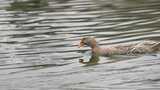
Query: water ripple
(39, 48)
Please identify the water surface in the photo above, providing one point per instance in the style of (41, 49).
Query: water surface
(39, 50)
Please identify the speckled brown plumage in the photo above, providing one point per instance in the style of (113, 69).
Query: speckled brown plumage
(135, 48)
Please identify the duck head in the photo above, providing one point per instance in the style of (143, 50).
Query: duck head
(88, 41)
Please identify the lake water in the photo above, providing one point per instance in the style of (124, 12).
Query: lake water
(39, 45)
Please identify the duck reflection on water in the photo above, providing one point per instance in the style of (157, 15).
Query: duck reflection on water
(94, 59)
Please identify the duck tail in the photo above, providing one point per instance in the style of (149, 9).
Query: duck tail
(156, 47)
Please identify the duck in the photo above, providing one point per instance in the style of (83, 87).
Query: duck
(142, 47)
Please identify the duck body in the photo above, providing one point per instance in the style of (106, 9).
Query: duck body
(122, 49)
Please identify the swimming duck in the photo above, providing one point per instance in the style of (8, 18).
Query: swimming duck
(143, 47)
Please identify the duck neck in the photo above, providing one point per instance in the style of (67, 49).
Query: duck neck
(95, 49)
(93, 46)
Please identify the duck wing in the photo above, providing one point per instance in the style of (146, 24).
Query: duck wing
(156, 47)
(146, 47)
(134, 48)
(118, 49)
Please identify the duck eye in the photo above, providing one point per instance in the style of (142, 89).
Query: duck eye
(83, 39)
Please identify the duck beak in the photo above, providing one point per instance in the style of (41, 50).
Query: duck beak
(81, 44)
